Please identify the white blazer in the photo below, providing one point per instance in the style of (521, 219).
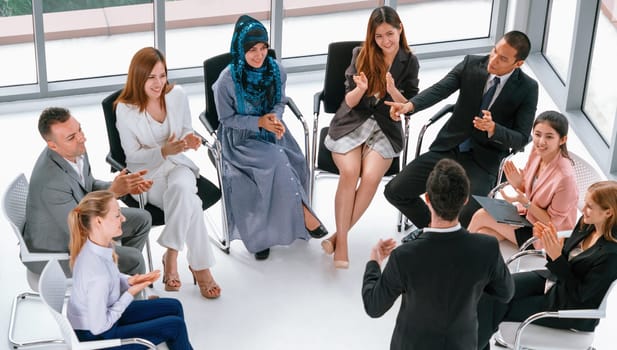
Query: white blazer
(141, 149)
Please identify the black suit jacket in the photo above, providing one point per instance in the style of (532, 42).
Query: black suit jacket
(441, 277)
(582, 281)
(513, 111)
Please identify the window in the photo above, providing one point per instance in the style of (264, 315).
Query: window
(560, 30)
(600, 103)
(17, 45)
(196, 30)
(438, 21)
(94, 41)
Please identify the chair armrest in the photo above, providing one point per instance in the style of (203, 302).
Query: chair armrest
(294, 108)
(524, 253)
(204, 121)
(583, 313)
(38, 257)
(493, 192)
(443, 111)
(317, 102)
(115, 164)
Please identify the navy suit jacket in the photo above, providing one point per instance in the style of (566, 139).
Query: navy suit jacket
(441, 277)
(513, 111)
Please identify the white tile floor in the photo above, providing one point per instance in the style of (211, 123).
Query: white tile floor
(295, 299)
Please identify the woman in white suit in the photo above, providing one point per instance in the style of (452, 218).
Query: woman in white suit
(154, 123)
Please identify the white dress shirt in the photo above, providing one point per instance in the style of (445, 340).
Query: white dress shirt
(99, 295)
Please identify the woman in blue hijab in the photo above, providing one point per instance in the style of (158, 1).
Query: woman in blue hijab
(265, 175)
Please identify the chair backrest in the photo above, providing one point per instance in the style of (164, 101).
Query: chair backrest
(339, 58)
(213, 67)
(115, 147)
(586, 175)
(14, 208)
(52, 288)
(604, 303)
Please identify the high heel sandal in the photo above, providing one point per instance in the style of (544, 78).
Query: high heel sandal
(170, 279)
(209, 290)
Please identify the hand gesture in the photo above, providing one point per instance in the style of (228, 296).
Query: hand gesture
(138, 282)
(514, 175)
(553, 245)
(173, 146)
(382, 250)
(361, 81)
(397, 108)
(390, 86)
(485, 123)
(132, 183)
(519, 196)
(271, 123)
(192, 141)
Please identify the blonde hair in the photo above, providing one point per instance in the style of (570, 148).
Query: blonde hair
(94, 204)
(604, 194)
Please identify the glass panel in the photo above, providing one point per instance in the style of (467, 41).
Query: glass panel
(196, 30)
(448, 20)
(17, 44)
(101, 36)
(309, 26)
(559, 35)
(600, 103)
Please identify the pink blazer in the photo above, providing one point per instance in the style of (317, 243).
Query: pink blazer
(554, 191)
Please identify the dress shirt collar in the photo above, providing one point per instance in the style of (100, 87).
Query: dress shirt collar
(104, 252)
(447, 229)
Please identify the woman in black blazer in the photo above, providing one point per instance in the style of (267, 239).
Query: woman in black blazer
(580, 270)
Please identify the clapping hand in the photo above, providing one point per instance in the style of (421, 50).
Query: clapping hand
(132, 183)
(553, 245)
(361, 81)
(514, 175)
(485, 123)
(390, 86)
(192, 141)
(382, 250)
(173, 146)
(140, 281)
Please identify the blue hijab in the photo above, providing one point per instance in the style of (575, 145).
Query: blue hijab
(260, 87)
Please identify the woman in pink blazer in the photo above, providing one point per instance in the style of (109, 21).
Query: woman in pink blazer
(545, 189)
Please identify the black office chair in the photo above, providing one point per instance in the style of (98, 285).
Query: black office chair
(213, 67)
(333, 93)
(206, 190)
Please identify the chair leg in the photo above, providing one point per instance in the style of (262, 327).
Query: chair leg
(15, 344)
(142, 205)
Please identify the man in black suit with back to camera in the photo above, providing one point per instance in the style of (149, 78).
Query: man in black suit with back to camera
(494, 113)
(440, 276)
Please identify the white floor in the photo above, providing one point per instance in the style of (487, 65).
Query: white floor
(295, 299)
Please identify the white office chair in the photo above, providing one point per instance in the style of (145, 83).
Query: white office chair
(52, 286)
(525, 335)
(14, 209)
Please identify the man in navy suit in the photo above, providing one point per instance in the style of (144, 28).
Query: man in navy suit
(491, 117)
(440, 276)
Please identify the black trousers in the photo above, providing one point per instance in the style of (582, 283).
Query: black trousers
(405, 189)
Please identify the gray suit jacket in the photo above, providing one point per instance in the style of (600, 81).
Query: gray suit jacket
(54, 191)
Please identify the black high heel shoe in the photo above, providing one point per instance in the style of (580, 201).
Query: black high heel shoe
(318, 232)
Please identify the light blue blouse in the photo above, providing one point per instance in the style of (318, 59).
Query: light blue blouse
(99, 295)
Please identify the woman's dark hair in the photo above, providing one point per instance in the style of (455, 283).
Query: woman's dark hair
(559, 123)
(371, 60)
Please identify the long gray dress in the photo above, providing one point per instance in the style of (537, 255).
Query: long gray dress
(265, 183)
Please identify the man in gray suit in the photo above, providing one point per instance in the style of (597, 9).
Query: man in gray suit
(493, 114)
(61, 178)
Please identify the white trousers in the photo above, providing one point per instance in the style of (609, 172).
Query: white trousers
(176, 193)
